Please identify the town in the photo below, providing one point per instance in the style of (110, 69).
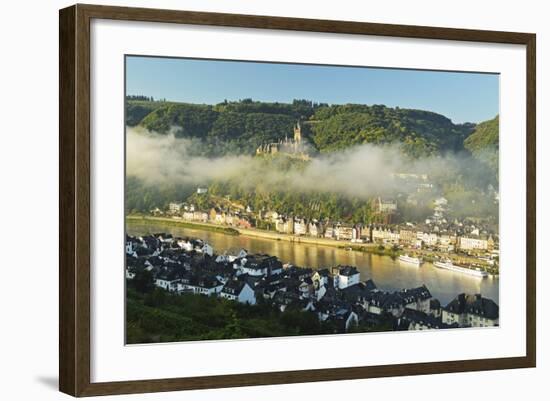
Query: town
(472, 243)
(416, 220)
(335, 294)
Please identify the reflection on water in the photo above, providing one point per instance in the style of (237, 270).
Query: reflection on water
(388, 274)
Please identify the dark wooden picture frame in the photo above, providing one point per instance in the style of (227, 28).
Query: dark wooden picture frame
(74, 199)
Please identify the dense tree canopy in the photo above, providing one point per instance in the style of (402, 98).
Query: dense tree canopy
(157, 316)
(244, 125)
(420, 132)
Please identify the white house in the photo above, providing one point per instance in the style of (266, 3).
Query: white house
(330, 232)
(200, 216)
(392, 237)
(130, 248)
(231, 256)
(253, 269)
(320, 292)
(385, 235)
(427, 238)
(202, 286)
(314, 229)
(447, 242)
(343, 232)
(320, 278)
(260, 265)
(346, 276)
(417, 298)
(473, 242)
(239, 291)
(175, 207)
(300, 227)
(185, 245)
(188, 215)
(169, 284)
(207, 249)
(129, 273)
(272, 216)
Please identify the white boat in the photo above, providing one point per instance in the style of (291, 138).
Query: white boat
(448, 265)
(410, 260)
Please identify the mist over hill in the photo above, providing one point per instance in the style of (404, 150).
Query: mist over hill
(173, 147)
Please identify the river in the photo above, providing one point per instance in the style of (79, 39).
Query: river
(387, 273)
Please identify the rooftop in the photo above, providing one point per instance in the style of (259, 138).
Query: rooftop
(474, 304)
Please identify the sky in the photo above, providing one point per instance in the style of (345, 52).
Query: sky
(462, 97)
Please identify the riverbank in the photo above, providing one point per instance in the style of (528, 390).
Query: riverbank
(375, 249)
(387, 272)
(180, 223)
(264, 234)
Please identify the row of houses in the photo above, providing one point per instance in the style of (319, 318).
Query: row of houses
(405, 235)
(217, 216)
(435, 233)
(424, 237)
(336, 295)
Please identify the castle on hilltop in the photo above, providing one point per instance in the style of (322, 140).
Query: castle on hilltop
(288, 147)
